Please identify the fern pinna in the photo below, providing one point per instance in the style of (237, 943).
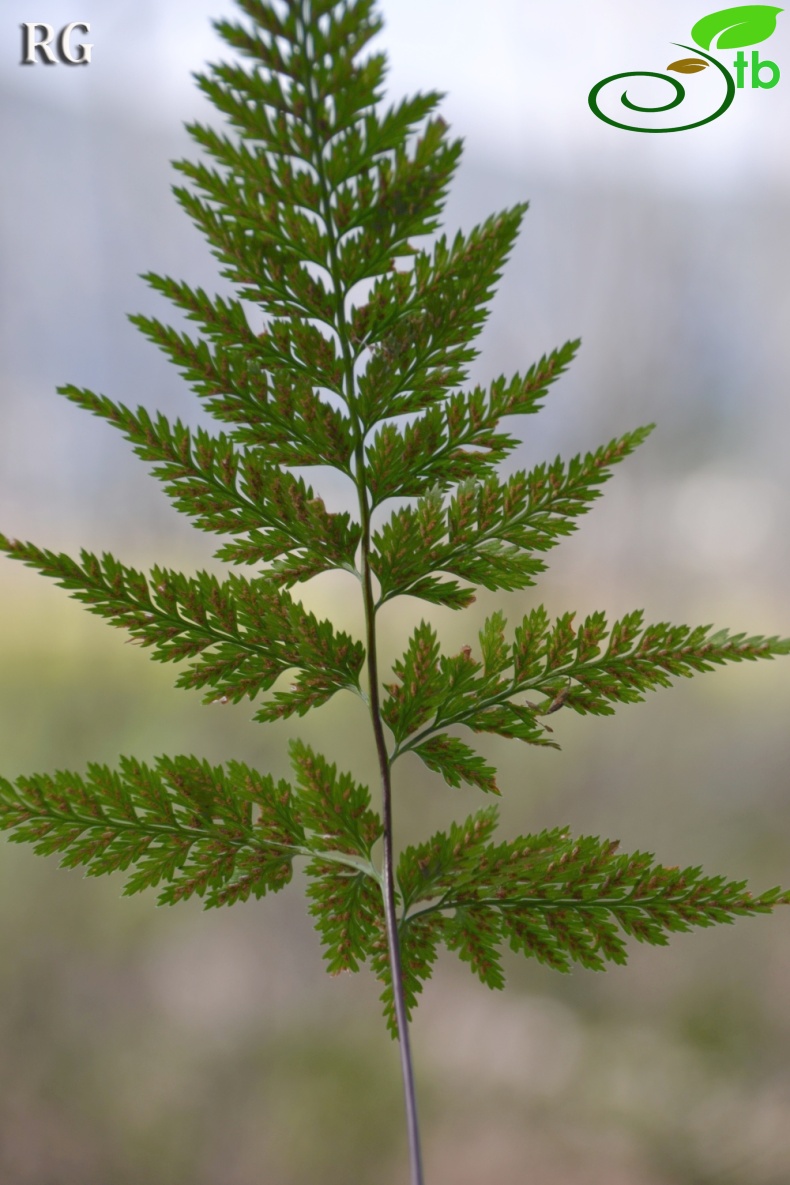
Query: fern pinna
(314, 207)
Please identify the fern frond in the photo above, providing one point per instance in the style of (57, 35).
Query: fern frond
(490, 533)
(458, 763)
(348, 912)
(334, 807)
(587, 669)
(457, 442)
(549, 896)
(431, 869)
(230, 491)
(429, 317)
(245, 632)
(223, 834)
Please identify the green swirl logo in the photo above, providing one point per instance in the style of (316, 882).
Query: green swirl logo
(730, 28)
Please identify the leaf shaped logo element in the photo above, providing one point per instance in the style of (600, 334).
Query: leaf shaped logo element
(734, 27)
(688, 65)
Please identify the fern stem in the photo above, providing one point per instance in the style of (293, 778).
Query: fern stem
(388, 861)
(388, 867)
(369, 601)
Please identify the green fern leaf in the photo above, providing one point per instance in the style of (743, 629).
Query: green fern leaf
(457, 442)
(246, 633)
(557, 899)
(348, 911)
(334, 807)
(221, 834)
(232, 492)
(422, 343)
(569, 667)
(490, 531)
(457, 763)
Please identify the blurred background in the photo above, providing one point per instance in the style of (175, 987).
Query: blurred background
(180, 1047)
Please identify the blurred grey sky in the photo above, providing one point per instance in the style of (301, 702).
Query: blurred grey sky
(516, 73)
